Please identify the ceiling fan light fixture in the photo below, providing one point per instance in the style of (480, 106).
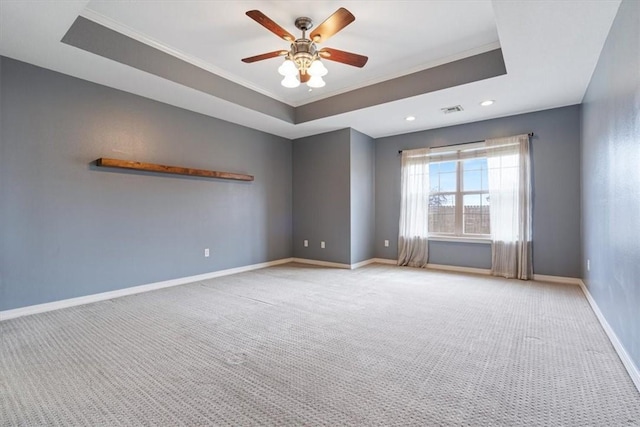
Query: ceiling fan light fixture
(317, 68)
(302, 61)
(316, 82)
(290, 81)
(288, 68)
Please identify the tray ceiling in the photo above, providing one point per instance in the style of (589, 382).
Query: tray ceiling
(549, 49)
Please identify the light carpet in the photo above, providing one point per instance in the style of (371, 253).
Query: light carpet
(300, 345)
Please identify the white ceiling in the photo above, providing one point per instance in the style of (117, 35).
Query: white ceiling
(550, 50)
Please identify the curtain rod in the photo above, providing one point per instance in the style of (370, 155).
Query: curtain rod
(462, 143)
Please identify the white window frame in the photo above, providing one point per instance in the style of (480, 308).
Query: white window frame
(458, 235)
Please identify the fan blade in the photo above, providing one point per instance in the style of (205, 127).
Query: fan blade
(304, 77)
(264, 56)
(276, 29)
(344, 57)
(336, 22)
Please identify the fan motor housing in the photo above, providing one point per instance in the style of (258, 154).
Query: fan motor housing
(303, 23)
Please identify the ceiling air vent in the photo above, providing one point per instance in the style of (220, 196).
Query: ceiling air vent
(454, 109)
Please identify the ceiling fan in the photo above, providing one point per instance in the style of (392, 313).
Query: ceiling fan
(302, 60)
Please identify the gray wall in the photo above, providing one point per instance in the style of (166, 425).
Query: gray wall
(69, 229)
(611, 179)
(465, 254)
(321, 196)
(556, 185)
(363, 225)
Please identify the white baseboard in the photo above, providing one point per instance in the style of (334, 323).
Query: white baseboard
(385, 261)
(484, 271)
(443, 267)
(457, 269)
(363, 263)
(321, 263)
(631, 368)
(71, 302)
(557, 279)
(347, 266)
(392, 262)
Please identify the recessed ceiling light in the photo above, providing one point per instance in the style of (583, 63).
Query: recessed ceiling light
(410, 118)
(487, 102)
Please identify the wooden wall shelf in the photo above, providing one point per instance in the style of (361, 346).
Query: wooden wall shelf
(151, 167)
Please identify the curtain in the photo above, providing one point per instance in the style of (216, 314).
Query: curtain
(413, 246)
(508, 163)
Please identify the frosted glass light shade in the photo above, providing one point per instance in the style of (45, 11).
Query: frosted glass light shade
(288, 68)
(317, 69)
(316, 82)
(290, 81)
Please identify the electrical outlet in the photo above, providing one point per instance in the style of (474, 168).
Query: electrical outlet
(322, 245)
(386, 243)
(588, 265)
(305, 243)
(206, 253)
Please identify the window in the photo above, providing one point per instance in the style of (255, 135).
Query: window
(479, 191)
(459, 198)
